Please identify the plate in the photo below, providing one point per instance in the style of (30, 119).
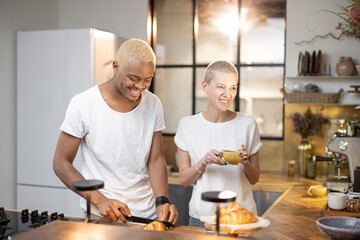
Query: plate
(312, 62)
(317, 62)
(305, 63)
(300, 59)
(235, 229)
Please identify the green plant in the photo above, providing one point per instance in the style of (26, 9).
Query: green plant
(308, 123)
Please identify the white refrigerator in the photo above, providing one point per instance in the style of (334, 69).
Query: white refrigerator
(53, 66)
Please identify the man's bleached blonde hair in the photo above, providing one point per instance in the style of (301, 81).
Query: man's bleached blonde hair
(219, 65)
(134, 48)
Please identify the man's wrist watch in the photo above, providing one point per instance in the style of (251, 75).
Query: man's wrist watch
(161, 200)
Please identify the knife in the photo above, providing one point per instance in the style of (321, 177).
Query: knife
(146, 220)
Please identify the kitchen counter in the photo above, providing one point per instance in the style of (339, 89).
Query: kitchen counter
(292, 216)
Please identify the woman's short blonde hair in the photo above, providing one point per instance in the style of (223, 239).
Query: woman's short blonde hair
(134, 48)
(219, 66)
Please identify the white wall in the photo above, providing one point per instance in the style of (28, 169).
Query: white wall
(305, 20)
(320, 23)
(15, 15)
(126, 18)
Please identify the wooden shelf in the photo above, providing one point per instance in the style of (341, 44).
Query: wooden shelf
(323, 77)
(331, 104)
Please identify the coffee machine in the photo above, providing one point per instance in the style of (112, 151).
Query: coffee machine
(350, 147)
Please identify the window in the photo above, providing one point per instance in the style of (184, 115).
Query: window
(189, 34)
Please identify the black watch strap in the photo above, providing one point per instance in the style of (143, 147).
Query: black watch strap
(161, 200)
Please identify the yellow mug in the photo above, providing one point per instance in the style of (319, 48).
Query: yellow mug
(317, 191)
(232, 157)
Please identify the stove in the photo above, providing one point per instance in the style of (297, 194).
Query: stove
(14, 222)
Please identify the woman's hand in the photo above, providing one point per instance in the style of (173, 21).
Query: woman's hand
(251, 165)
(244, 154)
(213, 157)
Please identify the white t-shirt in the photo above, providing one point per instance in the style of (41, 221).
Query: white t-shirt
(197, 136)
(115, 146)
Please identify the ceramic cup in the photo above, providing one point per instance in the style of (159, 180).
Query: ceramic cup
(317, 190)
(232, 157)
(337, 201)
(351, 195)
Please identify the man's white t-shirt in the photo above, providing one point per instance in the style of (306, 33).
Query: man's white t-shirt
(197, 136)
(115, 146)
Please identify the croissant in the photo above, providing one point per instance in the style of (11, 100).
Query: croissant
(235, 214)
(234, 206)
(155, 226)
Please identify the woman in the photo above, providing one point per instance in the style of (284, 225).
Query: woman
(201, 138)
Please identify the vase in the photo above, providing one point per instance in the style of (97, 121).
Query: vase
(306, 166)
(345, 67)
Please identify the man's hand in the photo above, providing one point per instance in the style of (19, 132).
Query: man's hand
(167, 212)
(113, 210)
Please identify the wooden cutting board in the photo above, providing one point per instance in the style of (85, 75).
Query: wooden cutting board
(62, 230)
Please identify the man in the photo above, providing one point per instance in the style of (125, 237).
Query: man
(117, 126)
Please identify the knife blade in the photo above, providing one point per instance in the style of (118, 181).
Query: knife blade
(146, 220)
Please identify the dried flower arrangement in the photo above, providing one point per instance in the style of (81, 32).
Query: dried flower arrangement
(351, 15)
(308, 123)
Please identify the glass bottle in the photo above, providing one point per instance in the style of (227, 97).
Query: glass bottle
(306, 166)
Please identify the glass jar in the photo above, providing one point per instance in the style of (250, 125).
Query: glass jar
(352, 205)
(291, 168)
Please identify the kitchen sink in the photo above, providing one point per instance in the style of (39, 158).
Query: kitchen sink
(180, 196)
(264, 200)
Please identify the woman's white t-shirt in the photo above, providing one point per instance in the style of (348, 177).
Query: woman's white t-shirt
(115, 146)
(197, 136)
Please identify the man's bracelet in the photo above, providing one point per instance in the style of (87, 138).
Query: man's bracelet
(161, 200)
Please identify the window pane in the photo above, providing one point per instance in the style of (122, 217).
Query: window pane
(262, 31)
(173, 87)
(200, 96)
(174, 31)
(217, 30)
(260, 97)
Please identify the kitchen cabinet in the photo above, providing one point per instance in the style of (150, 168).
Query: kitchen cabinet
(180, 196)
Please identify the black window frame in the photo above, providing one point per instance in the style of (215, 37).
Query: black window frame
(194, 66)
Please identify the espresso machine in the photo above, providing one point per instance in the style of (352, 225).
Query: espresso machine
(350, 147)
(342, 151)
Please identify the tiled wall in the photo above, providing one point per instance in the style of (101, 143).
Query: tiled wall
(291, 139)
